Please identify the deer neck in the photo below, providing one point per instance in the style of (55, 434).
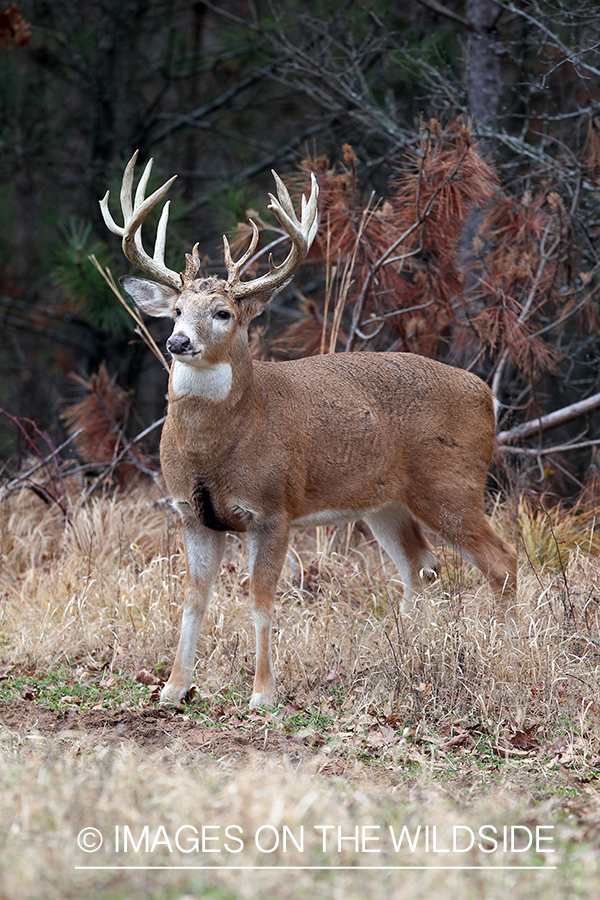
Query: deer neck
(208, 401)
(211, 383)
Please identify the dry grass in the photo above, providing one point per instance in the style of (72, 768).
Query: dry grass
(58, 793)
(111, 577)
(444, 717)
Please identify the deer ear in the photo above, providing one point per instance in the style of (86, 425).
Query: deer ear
(151, 297)
(254, 304)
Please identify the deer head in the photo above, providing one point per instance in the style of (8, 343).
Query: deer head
(208, 312)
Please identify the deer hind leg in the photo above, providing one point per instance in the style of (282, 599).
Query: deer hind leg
(471, 532)
(204, 551)
(401, 536)
(268, 548)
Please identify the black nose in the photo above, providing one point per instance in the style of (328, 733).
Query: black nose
(179, 343)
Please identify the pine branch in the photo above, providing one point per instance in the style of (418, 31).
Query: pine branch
(544, 257)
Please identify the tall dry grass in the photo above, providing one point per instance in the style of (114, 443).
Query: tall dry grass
(108, 580)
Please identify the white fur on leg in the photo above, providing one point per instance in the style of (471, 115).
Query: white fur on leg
(262, 628)
(385, 523)
(204, 551)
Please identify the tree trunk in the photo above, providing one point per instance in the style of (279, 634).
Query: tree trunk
(483, 64)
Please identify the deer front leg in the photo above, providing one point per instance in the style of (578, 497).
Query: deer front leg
(204, 551)
(268, 547)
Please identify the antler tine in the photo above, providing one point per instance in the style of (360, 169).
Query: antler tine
(301, 232)
(192, 264)
(127, 187)
(134, 214)
(283, 208)
(234, 268)
(161, 235)
(108, 219)
(283, 195)
(140, 194)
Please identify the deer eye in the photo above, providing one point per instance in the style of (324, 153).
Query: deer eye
(223, 314)
(177, 311)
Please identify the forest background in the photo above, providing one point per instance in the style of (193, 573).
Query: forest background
(457, 150)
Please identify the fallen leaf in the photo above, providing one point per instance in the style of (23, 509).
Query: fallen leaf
(524, 740)
(388, 734)
(463, 738)
(146, 677)
(29, 692)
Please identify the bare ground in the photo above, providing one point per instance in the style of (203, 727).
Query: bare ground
(152, 730)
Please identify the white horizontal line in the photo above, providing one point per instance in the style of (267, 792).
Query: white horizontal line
(333, 868)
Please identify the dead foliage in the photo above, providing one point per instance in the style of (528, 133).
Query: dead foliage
(99, 422)
(13, 27)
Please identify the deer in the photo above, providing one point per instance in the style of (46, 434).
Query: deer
(257, 448)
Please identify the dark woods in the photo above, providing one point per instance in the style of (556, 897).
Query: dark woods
(459, 213)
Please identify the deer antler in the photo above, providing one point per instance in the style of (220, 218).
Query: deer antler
(134, 215)
(301, 232)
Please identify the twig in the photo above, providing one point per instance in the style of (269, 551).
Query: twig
(574, 58)
(109, 467)
(141, 328)
(386, 258)
(328, 284)
(585, 616)
(384, 316)
(18, 422)
(19, 478)
(544, 451)
(444, 11)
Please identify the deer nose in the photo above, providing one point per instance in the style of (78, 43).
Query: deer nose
(179, 343)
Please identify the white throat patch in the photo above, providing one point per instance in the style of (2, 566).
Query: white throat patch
(212, 382)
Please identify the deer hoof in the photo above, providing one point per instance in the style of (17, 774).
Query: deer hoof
(174, 698)
(262, 699)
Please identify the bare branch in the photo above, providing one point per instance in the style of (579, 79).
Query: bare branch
(547, 451)
(551, 420)
(444, 11)
(574, 58)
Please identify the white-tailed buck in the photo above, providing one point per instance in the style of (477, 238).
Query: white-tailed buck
(258, 447)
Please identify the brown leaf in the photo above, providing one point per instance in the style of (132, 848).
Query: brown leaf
(561, 747)
(69, 700)
(524, 740)
(393, 720)
(506, 750)
(29, 692)
(289, 710)
(334, 676)
(388, 734)
(13, 27)
(146, 677)
(377, 737)
(457, 740)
